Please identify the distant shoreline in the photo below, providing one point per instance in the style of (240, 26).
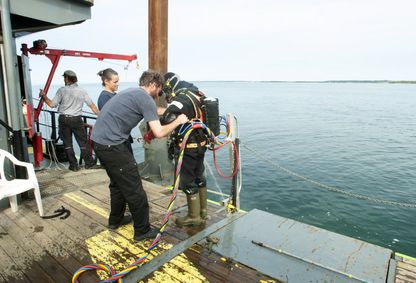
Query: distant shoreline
(330, 81)
(243, 81)
(357, 81)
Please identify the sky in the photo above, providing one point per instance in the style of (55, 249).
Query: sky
(249, 40)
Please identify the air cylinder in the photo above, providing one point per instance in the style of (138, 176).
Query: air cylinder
(210, 111)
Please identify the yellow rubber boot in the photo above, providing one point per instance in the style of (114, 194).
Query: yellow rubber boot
(193, 218)
(203, 194)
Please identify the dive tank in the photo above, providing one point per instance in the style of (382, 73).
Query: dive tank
(210, 112)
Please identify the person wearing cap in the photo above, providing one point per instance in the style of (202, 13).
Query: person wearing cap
(185, 98)
(110, 139)
(69, 99)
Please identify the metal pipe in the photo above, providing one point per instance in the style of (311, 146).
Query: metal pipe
(53, 122)
(6, 96)
(234, 184)
(55, 62)
(10, 63)
(12, 88)
(234, 157)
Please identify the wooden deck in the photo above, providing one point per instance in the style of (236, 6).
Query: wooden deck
(33, 249)
(405, 271)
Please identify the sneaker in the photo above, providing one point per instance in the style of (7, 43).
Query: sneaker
(151, 234)
(95, 166)
(73, 168)
(126, 220)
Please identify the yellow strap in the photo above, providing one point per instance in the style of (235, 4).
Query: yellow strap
(194, 145)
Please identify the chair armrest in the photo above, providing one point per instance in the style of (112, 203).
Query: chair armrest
(15, 161)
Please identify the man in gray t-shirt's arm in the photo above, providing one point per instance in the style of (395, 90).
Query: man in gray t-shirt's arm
(110, 137)
(69, 99)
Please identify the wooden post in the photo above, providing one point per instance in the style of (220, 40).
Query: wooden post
(157, 165)
(158, 35)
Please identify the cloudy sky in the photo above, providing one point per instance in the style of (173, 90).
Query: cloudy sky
(247, 40)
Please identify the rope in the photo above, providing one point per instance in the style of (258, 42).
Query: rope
(52, 155)
(217, 185)
(327, 187)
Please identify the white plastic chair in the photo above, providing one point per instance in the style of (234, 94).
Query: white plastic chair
(11, 188)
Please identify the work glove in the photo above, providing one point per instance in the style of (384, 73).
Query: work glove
(148, 136)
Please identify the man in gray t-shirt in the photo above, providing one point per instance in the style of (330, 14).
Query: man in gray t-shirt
(115, 124)
(69, 99)
(110, 137)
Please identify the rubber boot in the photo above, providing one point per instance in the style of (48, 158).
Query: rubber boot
(193, 218)
(203, 194)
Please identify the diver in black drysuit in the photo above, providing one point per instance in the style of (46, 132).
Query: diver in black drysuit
(185, 98)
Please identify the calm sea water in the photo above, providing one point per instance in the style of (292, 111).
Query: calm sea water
(358, 137)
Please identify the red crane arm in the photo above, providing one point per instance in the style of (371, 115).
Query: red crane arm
(54, 55)
(76, 53)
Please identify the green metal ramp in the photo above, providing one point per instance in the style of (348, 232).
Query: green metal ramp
(291, 251)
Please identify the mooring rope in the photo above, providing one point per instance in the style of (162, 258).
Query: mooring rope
(328, 187)
(53, 158)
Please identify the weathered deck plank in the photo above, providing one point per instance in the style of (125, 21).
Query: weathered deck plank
(411, 263)
(28, 236)
(10, 270)
(406, 271)
(66, 237)
(21, 257)
(39, 232)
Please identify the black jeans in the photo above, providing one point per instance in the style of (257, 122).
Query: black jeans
(69, 125)
(125, 185)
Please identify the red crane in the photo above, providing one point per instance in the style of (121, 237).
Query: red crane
(54, 55)
(39, 48)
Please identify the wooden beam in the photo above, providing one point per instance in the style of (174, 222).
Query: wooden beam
(158, 35)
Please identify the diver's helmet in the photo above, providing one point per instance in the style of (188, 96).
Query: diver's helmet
(171, 83)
